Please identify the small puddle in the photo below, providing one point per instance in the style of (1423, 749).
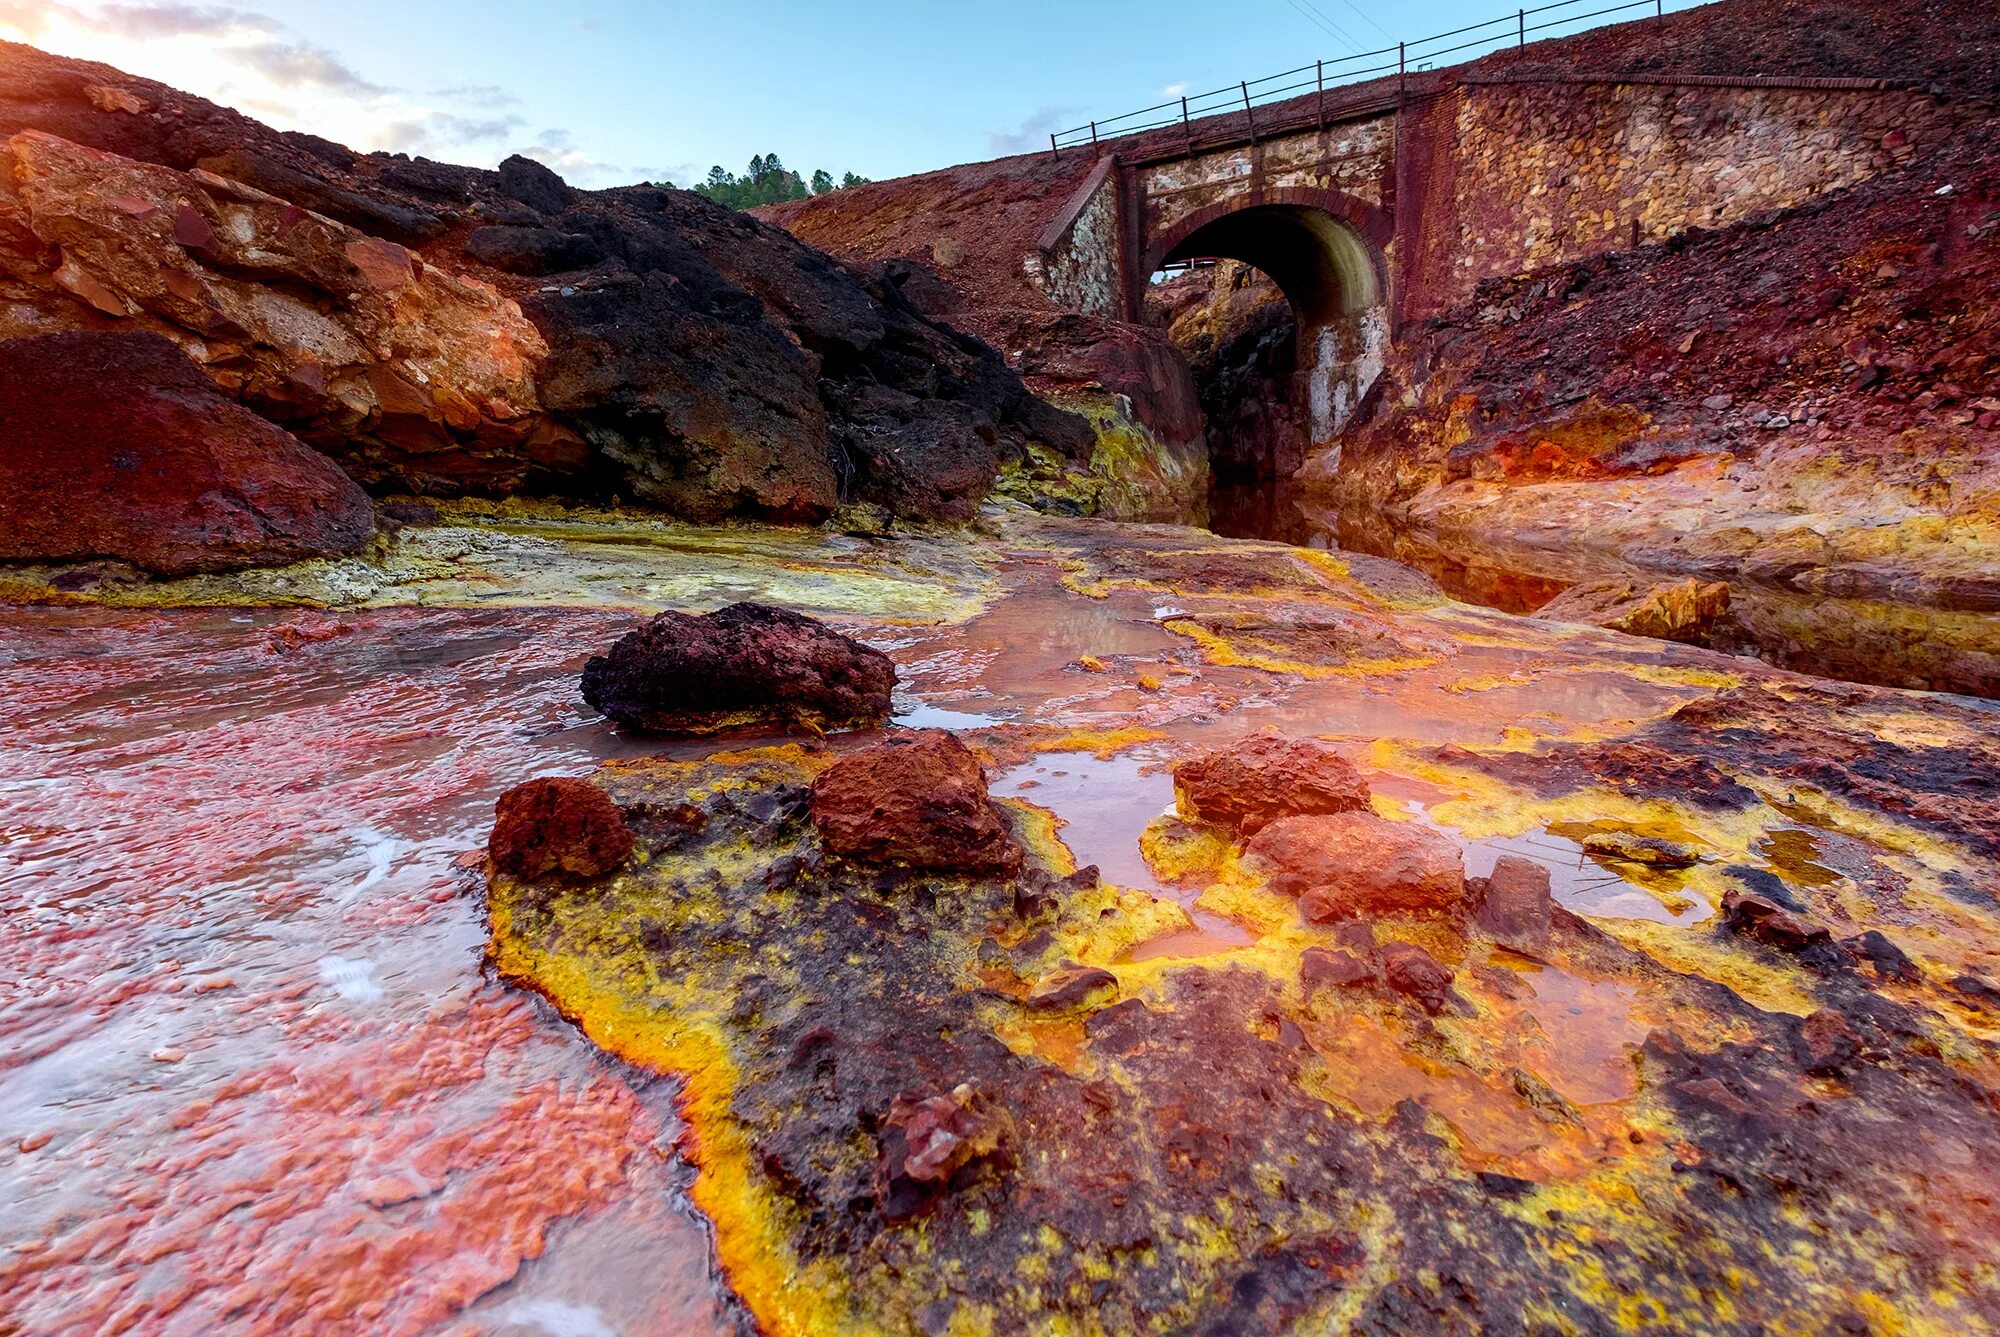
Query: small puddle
(1105, 805)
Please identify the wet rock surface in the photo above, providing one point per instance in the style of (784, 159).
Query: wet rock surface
(1243, 1128)
(742, 665)
(892, 1126)
(116, 446)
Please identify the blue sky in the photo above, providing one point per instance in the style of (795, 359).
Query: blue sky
(609, 92)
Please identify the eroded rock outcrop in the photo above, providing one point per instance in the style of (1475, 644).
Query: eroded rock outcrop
(1686, 610)
(742, 666)
(1774, 404)
(451, 330)
(115, 446)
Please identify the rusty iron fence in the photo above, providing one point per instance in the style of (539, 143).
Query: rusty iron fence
(1324, 76)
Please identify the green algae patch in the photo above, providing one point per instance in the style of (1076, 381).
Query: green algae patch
(921, 1103)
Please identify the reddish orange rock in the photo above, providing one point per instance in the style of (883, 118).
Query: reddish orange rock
(114, 445)
(558, 826)
(917, 798)
(1345, 864)
(1257, 781)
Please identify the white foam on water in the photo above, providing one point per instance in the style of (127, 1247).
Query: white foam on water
(352, 980)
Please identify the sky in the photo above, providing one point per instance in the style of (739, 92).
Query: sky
(609, 92)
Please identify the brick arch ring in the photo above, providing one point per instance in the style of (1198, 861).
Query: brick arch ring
(1375, 224)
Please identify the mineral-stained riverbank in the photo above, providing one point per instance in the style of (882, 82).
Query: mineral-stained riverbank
(266, 1080)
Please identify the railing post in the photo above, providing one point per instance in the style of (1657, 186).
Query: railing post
(1521, 27)
(1093, 134)
(1054, 152)
(1319, 84)
(1402, 69)
(1249, 117)
(1659, 9)
(1187, 131)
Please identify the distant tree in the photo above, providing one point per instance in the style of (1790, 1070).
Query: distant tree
(767, 181)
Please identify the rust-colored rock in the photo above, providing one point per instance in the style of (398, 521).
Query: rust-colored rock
(1330, 968)
(115, 446)
(1826, 1043)
(1416, 974)
(396, 314)
(1769, 923)
(916, 798)
(558, 827)
(1257, 781)
(743, 665)
(926, 1141)
(1512, 903)
(1686, 610)
(1355, 863)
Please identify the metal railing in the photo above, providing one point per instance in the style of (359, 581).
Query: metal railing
(1324, 76)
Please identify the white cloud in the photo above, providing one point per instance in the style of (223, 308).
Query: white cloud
(1033, 132)
(249, 60)
(1174, 90)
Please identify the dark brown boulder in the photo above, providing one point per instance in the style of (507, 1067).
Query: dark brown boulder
(558, 827)
(741, 666)
(1255, 782)
(1329, 968)
(115, 445)
(916, 798)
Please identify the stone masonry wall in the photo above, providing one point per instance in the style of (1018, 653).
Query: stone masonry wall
(1549, 172)
(1081, 271)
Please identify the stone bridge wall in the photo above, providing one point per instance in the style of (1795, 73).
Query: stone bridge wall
(1551, 171)
(1504, 176)
(1357, 158)
(1078, 262)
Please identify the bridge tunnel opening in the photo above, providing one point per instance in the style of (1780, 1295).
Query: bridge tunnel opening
(1279, 310)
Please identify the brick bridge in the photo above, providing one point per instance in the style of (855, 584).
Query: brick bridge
(1391, 205)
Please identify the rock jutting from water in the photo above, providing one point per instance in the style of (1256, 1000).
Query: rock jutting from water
(743, 665)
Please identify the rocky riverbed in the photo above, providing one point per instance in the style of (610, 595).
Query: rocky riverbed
(1736, 1071)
